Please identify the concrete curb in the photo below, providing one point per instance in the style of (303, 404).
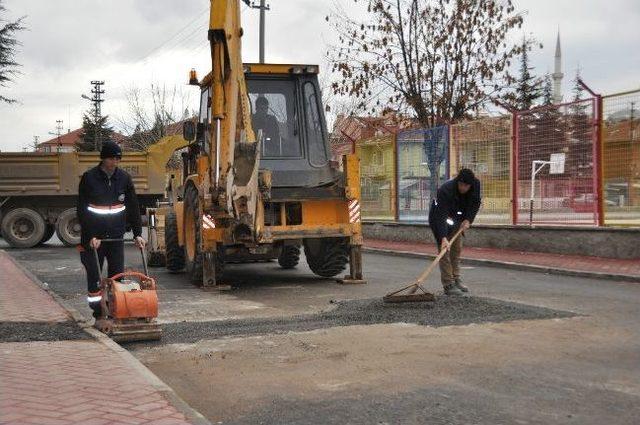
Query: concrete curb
(192, 415)
(513, 266)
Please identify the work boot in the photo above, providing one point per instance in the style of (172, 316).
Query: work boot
(452, 290)
(458, 284)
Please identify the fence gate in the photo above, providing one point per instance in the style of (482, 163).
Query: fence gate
(555, 163)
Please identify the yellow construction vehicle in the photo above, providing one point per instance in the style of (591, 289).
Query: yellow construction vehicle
(257, 179)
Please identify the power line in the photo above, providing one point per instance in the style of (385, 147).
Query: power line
(167, 41)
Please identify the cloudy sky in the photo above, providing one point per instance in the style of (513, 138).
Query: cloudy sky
(131, 43)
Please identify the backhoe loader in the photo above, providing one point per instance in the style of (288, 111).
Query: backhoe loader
(257, 180)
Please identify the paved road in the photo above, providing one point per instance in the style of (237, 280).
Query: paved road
(574, 370)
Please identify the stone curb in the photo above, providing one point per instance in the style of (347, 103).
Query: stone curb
(513, 266)
(192, 415)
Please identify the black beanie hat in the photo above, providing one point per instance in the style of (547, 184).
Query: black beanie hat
(110, 149)
(466, 176)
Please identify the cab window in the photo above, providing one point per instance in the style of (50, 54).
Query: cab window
(273, 111)
(315, 132)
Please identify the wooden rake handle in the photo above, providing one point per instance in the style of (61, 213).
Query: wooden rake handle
(429, 269)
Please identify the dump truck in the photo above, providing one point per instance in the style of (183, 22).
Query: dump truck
(38, 191)
(258, 181)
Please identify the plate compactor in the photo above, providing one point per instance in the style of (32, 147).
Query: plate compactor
(129, 304)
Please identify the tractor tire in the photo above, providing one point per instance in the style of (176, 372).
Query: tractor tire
(175, 261)
(23, 228)
(48, 234)
(68, 227)
(326, 257)
(289, 256)
(192, 210)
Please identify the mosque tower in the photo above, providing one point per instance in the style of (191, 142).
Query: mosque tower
(557, 73)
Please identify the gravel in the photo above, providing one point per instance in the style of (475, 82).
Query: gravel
(30, 331)
(444, 311)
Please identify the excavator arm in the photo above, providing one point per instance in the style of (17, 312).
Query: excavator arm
(234, 159)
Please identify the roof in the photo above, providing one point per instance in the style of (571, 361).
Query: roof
(72, 137)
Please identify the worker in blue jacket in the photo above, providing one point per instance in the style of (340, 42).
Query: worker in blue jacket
(455, 206)
(107, 202)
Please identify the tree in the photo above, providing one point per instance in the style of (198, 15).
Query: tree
(8, 44)
(150, 114)
(547, 90)
(434, 60)
(528, 87)
(91, 129)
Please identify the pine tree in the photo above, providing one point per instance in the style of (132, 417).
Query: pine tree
(528, 86)
(8, 44)
(90, 130)
(547, 90)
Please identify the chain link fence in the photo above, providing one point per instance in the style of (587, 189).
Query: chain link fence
(423, 165)
(555, 153)
(484, 147)
(568, 164)
(377, 177)
(621, 158)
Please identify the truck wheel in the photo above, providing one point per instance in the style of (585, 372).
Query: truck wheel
(174, 252)
(289, 256)
(51, 229)
(68, 227)
(23, 228)
(192, 235)
(328, 256)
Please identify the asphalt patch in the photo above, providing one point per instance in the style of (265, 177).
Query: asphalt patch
(445, 311)
(37, 331)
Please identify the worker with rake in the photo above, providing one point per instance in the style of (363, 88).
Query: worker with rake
(454, 208)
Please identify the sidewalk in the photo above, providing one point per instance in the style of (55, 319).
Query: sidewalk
(54, 372)
(576, 265)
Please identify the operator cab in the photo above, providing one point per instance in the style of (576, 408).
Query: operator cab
(286, 105)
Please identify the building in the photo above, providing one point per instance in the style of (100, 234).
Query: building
(67, 142)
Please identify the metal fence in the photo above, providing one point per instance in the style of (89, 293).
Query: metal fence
(484, 147)
(423, 164)
(576, 163)
(377, 177)
(555, 161)
(621, 158)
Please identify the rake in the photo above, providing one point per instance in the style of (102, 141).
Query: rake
(409, 294)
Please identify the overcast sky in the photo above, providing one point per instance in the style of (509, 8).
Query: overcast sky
(131, 43)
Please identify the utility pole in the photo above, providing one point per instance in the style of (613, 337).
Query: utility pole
(36, 140)
(97, 99)
(58, 133)
(263, 6)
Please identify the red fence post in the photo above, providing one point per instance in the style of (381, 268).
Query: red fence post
(514, 168)
(599, 163)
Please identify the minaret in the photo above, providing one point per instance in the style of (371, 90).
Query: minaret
(557, 74)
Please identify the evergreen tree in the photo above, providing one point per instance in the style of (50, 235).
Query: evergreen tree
(528, 86)
(91, 129)
(8, 44)
(547, 90)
